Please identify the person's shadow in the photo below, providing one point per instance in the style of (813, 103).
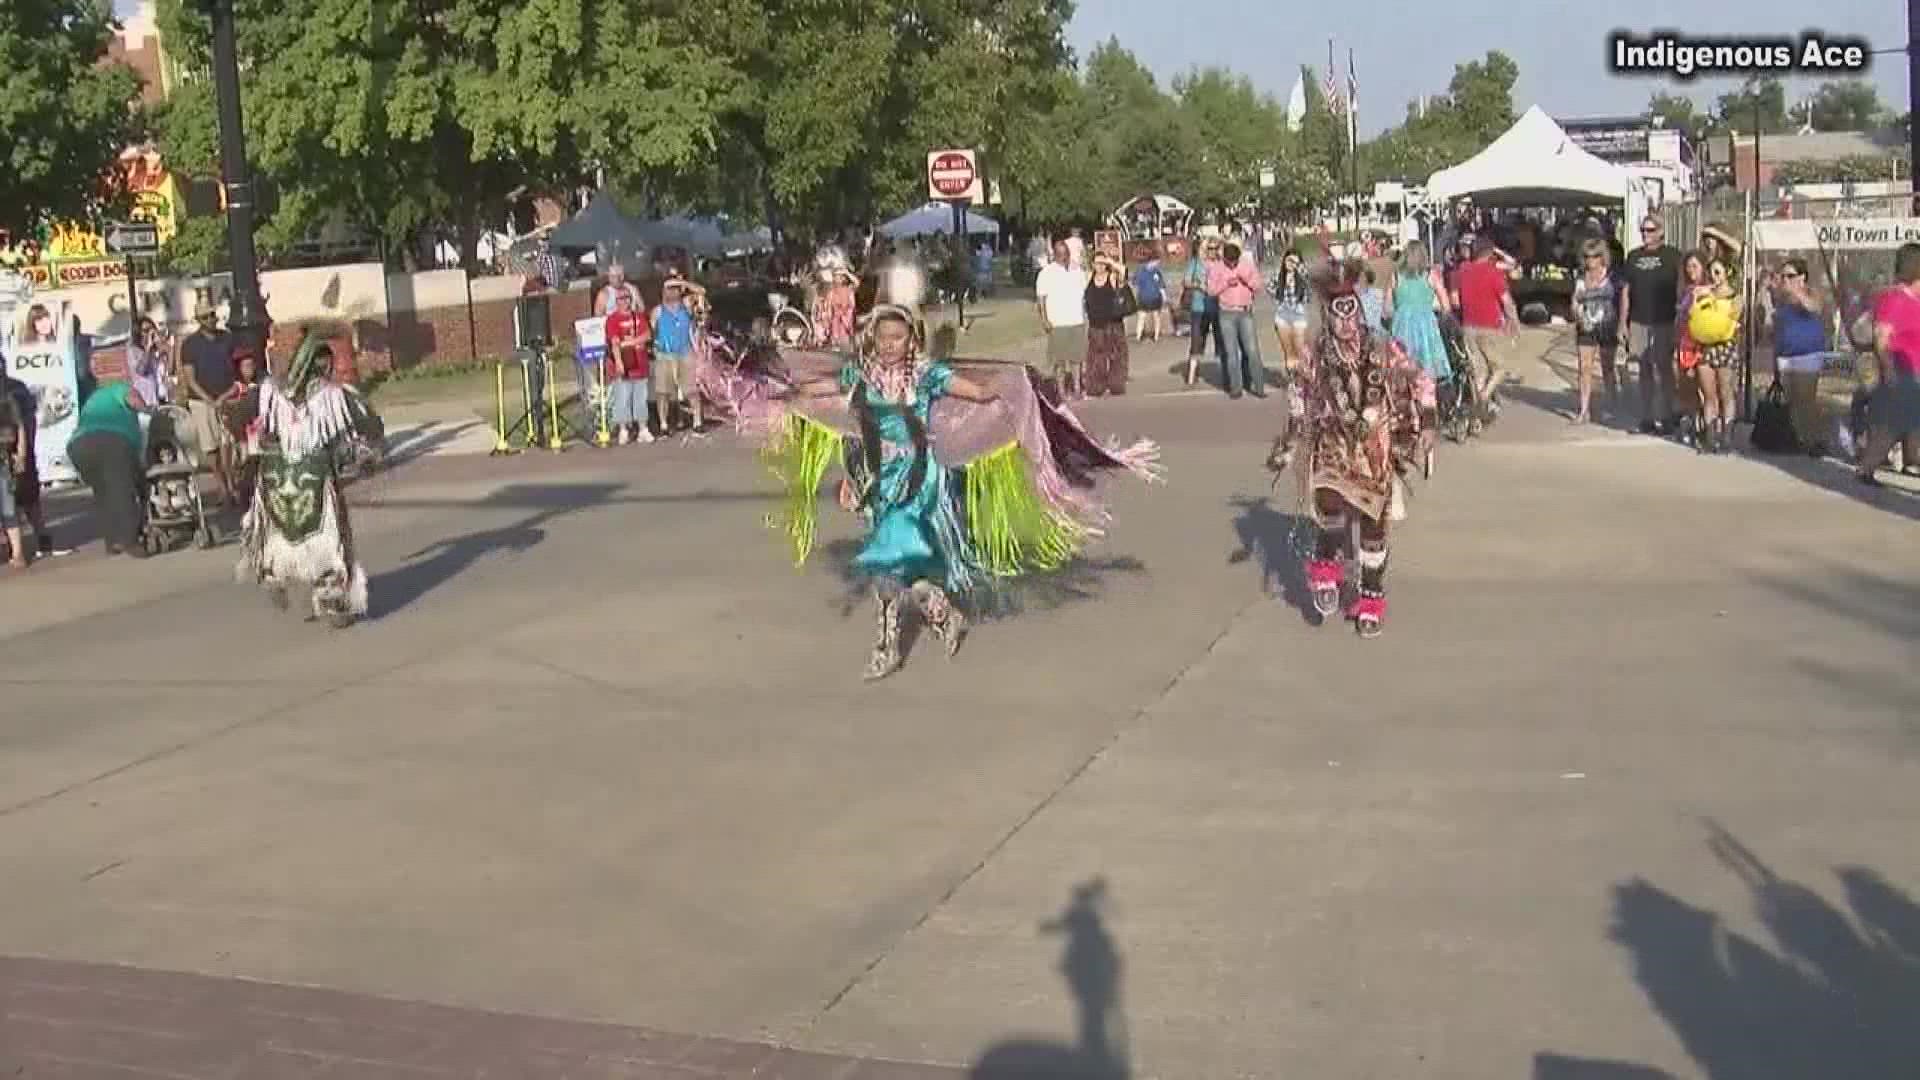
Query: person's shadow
(1279, 542)
(440, 562)
(1826, 994)
(1091, 966)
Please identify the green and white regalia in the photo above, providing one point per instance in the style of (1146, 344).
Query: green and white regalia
(297, 530)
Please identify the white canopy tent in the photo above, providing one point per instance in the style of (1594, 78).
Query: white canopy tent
(1533, 164)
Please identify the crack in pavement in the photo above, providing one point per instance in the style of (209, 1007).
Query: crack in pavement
(1119, 732)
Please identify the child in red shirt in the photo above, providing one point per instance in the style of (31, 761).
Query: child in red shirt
(629, 348)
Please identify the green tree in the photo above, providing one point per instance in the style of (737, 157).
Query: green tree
(64, 116)
(1845, 105)
(1760, 104)
(1480, 97)
(1857, 167)
(1452, 127)
(1239, 130)
(837, 102)
(1678, 112)
(405, 115)
(1299, 185)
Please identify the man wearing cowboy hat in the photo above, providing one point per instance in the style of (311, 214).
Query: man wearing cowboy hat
(206, 363)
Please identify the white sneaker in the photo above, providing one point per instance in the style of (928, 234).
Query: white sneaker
(623, 438)
(644, 437)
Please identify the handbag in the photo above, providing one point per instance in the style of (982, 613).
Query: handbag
(1128, 302)
(1773, 423)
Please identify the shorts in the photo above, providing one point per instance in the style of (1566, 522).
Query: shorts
(1294, 315)
(1151, 306)
(669, 376)
(208, 433)
(1601, 341)
(1067, 349)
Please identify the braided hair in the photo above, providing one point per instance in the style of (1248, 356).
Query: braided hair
(870, 426)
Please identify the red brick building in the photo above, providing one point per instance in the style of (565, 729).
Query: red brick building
(137, 45)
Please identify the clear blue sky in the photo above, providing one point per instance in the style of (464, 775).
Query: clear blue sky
(1403, 50)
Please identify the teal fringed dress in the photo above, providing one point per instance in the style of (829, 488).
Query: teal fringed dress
(911, 536)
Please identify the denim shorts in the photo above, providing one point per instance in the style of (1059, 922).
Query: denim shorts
(1290, 315)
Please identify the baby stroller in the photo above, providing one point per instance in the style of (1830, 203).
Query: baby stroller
(791, 327)
(173, 512)
(1458, 401)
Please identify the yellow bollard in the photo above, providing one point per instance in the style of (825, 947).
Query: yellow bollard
(500, 444)
(554, 441)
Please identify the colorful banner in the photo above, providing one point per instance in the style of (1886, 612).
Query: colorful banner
(69, 254)
(49, 366)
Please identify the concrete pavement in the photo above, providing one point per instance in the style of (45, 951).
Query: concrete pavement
(1626, 785)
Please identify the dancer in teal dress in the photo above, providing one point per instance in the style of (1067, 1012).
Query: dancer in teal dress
(1416, 322)
(967, 475)
(917, 543)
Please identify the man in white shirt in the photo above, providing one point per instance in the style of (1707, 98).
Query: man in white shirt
(1062, 293)
(617, 283)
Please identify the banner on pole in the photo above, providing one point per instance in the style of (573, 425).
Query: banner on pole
(49, 365)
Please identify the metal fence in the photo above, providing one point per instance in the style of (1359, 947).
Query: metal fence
(1846, 271)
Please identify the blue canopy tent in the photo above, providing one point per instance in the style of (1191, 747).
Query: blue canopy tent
(936, 219)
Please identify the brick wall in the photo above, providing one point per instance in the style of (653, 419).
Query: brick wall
(447, 335)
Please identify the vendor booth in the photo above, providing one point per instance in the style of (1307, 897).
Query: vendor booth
(1154, 226)
(1535, 165)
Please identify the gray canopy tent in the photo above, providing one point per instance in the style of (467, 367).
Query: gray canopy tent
(601, 228)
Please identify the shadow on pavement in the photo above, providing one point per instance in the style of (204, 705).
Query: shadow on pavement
(1829, 997)
(1080, 579)
(1565, 403)
(444, 560)
(1091, 965)
(1280, 541)
(1834, 476)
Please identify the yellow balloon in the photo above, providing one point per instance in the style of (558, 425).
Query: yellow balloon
(1712, 321)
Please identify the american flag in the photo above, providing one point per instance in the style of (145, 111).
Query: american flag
(1330, 85)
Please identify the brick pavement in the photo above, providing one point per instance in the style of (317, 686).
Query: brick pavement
(74, 1021)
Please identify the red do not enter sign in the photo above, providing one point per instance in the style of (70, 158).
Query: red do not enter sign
(951, 175)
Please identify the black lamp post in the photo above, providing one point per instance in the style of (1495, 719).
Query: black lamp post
(246, 320)
(1913, 97)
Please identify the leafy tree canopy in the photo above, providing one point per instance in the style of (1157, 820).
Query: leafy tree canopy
(64, 116)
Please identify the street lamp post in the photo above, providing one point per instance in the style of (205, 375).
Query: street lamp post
(246, 317)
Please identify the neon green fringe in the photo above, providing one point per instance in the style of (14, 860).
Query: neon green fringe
(800, 459)
(1013, 528)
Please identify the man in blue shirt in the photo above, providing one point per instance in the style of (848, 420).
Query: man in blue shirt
(672, 373)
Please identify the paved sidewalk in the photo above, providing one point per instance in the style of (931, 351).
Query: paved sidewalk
(1625, 790)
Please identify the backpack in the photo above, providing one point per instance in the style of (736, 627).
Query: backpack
(1773, 423)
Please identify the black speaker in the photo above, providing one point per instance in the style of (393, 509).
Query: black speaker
(533, 322)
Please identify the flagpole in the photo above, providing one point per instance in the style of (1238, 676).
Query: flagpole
(1329, 86)
(1353, 138)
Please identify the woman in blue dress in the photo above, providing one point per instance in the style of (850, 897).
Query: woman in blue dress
(916, 543)
(1415, 313)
